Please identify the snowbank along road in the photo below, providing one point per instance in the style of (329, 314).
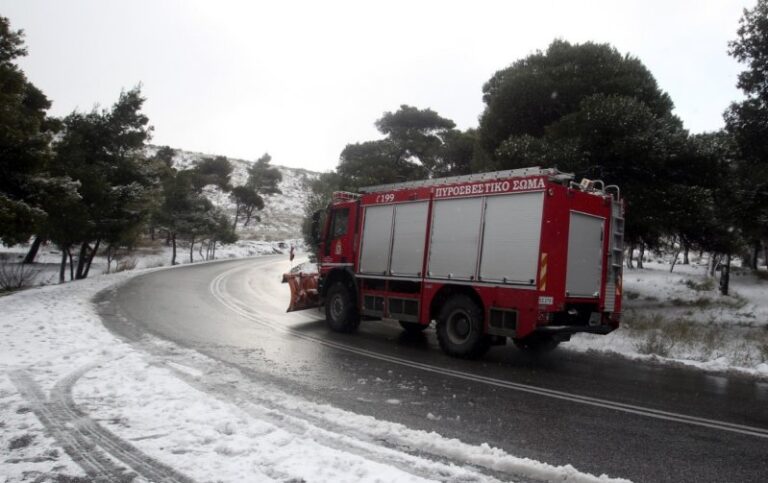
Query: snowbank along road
(601, 414)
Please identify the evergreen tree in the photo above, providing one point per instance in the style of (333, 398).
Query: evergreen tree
(747, 121)
(213, 171)
(25, 134)
(414, 148)
(534, 92)
(103, 151)
(247, 200)
(263, 177)
(455, 155)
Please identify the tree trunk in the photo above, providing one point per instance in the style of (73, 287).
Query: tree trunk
(686, 249)
(725, 275)
(33, 249)
(110, 255)
(677, 248)
(200, 250)
(674, 261)
(755, 254)
(630, 256)
(765, 253)
(191, 248)
(63, 266)
(152, 233)
(71, 265)
(173, 242)
(237, 215)
(81, 257)
(90, 258)
(213, 254)
(715, 262)
(248, 214)
(641, 256)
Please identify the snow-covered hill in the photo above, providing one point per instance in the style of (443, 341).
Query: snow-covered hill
(283, 213)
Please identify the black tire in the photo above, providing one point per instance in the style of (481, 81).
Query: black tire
(460, 329)
(340, 310)
(537, 343)
(413, 327)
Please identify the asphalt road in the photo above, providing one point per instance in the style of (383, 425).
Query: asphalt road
(602, 414)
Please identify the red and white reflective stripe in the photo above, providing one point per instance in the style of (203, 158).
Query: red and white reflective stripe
(543, 272)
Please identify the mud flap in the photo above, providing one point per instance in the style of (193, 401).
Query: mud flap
(304, 293)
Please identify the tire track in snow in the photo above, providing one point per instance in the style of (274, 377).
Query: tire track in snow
(94, 462)
(88, 429)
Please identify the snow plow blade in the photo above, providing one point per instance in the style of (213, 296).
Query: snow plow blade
(303, 290)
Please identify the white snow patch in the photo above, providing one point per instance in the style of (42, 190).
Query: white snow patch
(685, 319)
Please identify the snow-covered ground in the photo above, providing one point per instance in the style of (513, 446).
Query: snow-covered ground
(121, 412)
(283, 213)
(681, 317)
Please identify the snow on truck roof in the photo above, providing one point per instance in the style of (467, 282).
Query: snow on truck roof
(552, 173)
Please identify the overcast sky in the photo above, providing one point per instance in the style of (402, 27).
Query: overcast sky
(300, 80)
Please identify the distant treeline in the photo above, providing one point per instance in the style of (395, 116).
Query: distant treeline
(591, 110)
(87, 184)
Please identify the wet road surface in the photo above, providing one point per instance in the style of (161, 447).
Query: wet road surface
(602, 414)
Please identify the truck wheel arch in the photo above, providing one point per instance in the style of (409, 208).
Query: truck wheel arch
(448, 291)
(344, 275)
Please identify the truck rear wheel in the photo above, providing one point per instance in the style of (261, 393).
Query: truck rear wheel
(460, 328)
(412, 327)
(340, 310)
(537, 343)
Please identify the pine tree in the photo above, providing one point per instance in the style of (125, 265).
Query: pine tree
(25, 134)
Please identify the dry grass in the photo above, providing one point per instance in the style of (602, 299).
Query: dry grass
(15, 276)
(761, 275)
(683, 337)
(734, 301)
(126, 264)
(655, 343)
(704, 286)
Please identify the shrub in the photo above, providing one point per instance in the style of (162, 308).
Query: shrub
(703, 286)
(126, 264)
(712, 342)
(655, 344)
(15, 276)
(762, 348)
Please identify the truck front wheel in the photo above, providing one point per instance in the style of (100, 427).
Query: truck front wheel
(340, 311)
(460, 328)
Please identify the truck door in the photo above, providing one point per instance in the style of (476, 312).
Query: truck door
(337, 246)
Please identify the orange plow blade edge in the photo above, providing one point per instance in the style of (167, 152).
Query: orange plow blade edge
(303, 290)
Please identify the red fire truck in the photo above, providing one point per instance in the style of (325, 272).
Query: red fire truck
(525, 254)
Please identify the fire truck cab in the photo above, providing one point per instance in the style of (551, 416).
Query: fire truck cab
(523, 254)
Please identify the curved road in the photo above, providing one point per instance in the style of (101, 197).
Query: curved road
(602, 414)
